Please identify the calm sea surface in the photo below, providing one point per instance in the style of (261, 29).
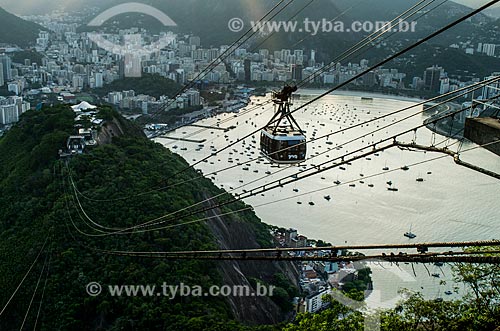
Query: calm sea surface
(453, 203)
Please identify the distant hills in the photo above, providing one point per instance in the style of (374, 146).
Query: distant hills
(462, 66)
(494, 12)
(209, 20)
(15, 30)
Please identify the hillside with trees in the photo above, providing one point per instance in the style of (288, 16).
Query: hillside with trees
(154, 85)
(38, 205)
(123, 184)
(14, 30)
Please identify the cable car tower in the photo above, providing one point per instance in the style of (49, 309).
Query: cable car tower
(282, 140)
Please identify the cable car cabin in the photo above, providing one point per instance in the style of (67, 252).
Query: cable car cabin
(284, 146)
(283, 143)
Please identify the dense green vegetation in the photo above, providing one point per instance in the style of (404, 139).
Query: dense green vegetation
(4, 91)
(14, 30)
(212, 97)
(478, 66)
(154, 85)
(33, 56)
(36, 203)
(170, 117)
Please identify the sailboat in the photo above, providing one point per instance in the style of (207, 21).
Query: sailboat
(391, 188)
(410, 234)
(420, 178)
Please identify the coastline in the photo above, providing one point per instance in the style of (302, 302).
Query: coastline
(346, 202)
(373, 95)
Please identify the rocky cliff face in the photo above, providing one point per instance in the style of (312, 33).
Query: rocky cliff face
(230, 233)
(235, 234)
(44, 219)
(117, 127)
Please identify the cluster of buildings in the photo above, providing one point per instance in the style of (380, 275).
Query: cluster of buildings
(293, 65)
(87, 126)
(435, 79)
(481, 104)
(10, 77)
(11, 109)
(322, 278)
(129, 100)
(484, 104)
(318, 278)
(487, 49)
(74, 61)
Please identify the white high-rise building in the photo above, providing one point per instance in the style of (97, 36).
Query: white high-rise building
(444, 85)
(6, 65)
(11, 108)
(8, 114)
(99, 80)
(193, 97)
(77, 81)
(285, 53)
(312, 60)
(491, 89)
(489, 49)
(14, 88)
(315, 301)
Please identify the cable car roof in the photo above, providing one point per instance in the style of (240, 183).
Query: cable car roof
(284, 134)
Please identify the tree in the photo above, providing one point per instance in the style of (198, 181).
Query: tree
(478, 311)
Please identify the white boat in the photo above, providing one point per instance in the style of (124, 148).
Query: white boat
(410, 234)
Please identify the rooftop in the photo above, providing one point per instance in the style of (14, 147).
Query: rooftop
(489, 121)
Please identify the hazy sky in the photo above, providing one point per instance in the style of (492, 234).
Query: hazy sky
(21, 7)
(473, 3)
